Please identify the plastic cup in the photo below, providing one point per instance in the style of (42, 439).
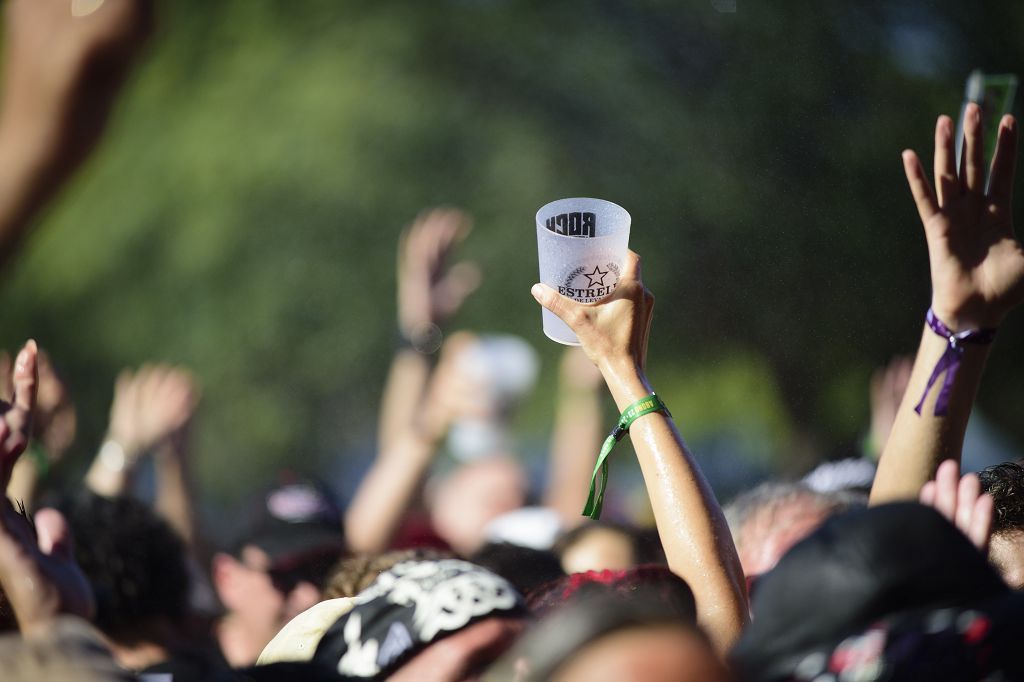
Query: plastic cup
(581, 246)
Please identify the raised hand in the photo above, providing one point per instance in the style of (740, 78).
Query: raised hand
(38, 573)
(614, 334)
(615, 330)
(452, 392)
(16, 415)
(150, 406)
(977, 264)
(54, 421)
(961, 501)
(429, 290)
(65, 62)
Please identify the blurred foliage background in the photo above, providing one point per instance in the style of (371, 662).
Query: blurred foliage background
(242, 215)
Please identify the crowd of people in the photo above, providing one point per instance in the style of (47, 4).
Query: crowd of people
(904, 571)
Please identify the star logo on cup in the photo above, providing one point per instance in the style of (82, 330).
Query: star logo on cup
(596, 277)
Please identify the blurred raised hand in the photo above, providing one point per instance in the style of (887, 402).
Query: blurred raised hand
(38, 573)
(152, 408)
(430, 289)
(977, 264)
(16, 415)
(961, 501)
(54, 422)
(64, 63)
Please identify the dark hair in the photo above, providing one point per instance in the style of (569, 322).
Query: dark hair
(639, 598)
(646, 544)
(526, 568)
(1005, 483)
(134, 561)
(656, 581)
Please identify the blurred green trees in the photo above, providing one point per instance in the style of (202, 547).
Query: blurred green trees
(242, 216)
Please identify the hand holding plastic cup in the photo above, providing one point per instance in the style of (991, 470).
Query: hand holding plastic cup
(581, 245)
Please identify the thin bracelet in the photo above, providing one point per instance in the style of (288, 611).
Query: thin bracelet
(950, 360)
(646, 405)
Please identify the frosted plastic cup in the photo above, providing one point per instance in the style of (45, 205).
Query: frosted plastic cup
(581, 245)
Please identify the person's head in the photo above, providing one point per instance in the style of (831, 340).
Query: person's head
(657, 581)
(278, 570)
(601, 545)
(1005, 483)
(473, 495)
(636, 626)
(767, 521)
(135, 563)
(526, 568)
(439, 620)
(352, 575)
(857, 570)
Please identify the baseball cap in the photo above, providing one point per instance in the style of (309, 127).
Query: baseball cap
(296, 522)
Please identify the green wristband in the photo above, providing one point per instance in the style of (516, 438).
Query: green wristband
(646, 405)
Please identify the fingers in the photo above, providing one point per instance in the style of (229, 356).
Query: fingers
(565, 308)
(974, 153)
(981, 522)
(26, 377)
(947, 480)
(967, 494)
(53, 534)
(1000, 181)
(947, 185)
(927, 496)
(631, 268)
(455, 287)
(924, 197)
(961, 501)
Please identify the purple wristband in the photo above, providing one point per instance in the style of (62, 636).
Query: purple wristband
(950, 360)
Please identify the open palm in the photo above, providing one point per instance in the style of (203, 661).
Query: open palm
(977, 264)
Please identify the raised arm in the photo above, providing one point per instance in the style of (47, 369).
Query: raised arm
(977, 272)
(413, 418)
(63, 68)
(38, 573)
(699, 548)
(429, 293)
(53, 430)
(577, 435)
(150, 414)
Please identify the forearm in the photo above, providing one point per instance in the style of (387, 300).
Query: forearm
(576, 437)
(28, 178)
(387, 492)
(23, 483)
(403, 394)
(919, 442)
(111, 471)
(174, 494)
(690, 522)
